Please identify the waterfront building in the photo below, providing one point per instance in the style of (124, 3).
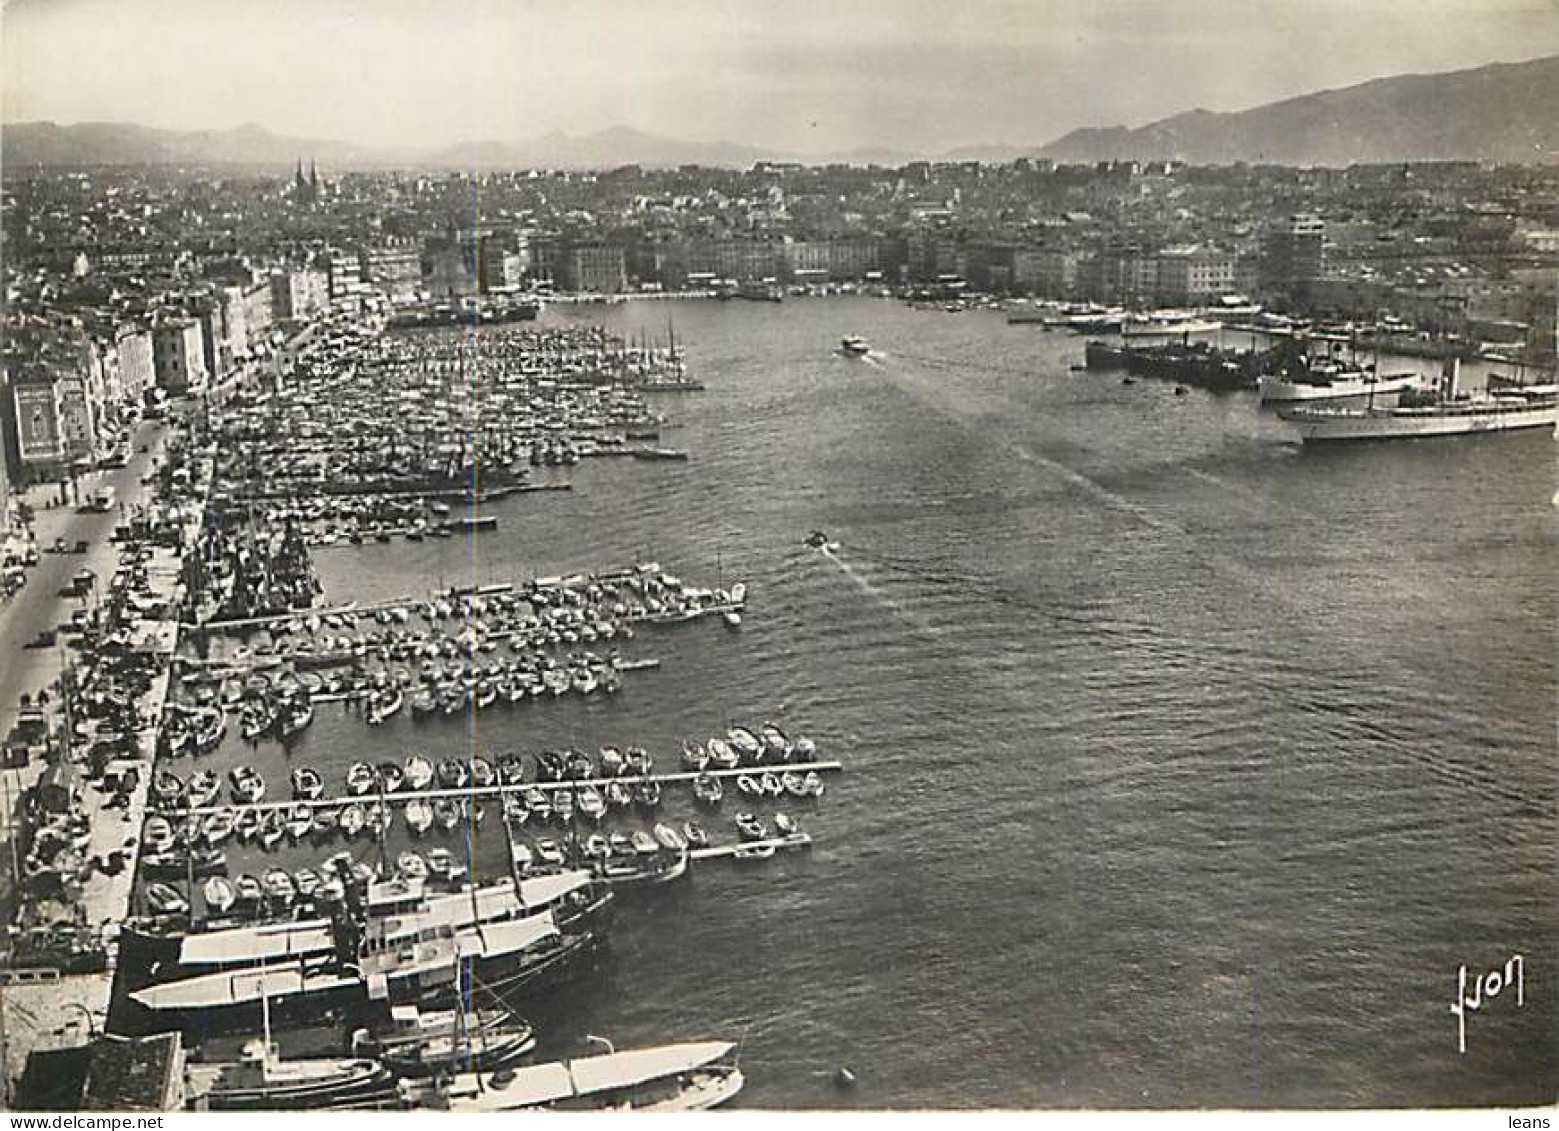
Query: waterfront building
(179, 355)
(1293, 259)
(137, 370)
(594, 268)
(1194, 274)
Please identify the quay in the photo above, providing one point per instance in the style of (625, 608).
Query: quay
(470, 792)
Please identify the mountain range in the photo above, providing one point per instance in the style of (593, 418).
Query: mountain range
(1501, 112)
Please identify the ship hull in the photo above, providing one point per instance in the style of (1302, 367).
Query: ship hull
(1275, 390)
(1406, 424)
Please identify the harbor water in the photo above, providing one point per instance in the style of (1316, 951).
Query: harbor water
(1184, 766)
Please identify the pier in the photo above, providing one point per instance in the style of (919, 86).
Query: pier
(499, 789)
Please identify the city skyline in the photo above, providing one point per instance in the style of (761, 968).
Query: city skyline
(796, 76)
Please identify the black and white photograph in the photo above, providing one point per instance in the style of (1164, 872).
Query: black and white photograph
(779, 555)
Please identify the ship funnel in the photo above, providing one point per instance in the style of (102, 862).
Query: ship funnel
(1450, 378)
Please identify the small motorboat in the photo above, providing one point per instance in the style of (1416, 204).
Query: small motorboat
(746, 744)
(643, 843)
(164, 899)
(775, 741)
(563, 804)
(753, 852)
(167, 788)
(452, 773)
(538, 803)
(410, 866)
(618, 795)
(591, 803)
(274, 828)
(249, 824)
(446, 810)
(279, 886)
(219, 894)
(307, 785)
(694, 756)
(785, 824)
(218, 826)
(419, 815)
(419, 772)
(306, 881)
(326, 819)
(247, 891)
(669, 837)
(751, 786)
(549, 851)
(638, 761)
(353, 818)
(521, 856)
(201, 788)
(157, 834)
(722, 755)
(794, 783)
(647, 794)
(300, 819)
(360, 779)
(482, 773)
(708, 790)
(695, 835)
(854, 346)
(390, 776)
(772, 786)
(750, 827)
(612, 762)
(443, 865)
(621, 844)
(597, 847)
(814, 783)
(248, 785)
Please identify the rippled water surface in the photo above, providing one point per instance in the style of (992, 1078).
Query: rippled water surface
(1184, 766)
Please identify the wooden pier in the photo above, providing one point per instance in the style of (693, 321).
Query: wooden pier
(472, 792)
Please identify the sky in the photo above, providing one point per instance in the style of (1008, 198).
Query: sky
(805, 76)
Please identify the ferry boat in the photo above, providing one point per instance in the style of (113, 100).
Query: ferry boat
(1332, 383)
(684, 1077)
(1446, 414)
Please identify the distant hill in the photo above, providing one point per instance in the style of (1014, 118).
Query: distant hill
(1506, 112)
(1501, 112)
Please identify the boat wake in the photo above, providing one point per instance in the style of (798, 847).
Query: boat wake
(1097, 490)
(881, 596)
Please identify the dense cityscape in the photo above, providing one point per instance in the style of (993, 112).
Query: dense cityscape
(436, 598)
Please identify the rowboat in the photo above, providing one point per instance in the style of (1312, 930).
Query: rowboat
(411, 866)
(419, 772)
(164, 899)
(352, 819)
(390, 776)
(708, 790)
(219, 894)
(591, 803)
(300, 819)
(695, 835)
(419, 815)
(694, 755)
(447, 812)
(669, 837)
(360, 778)
(306, 783)
(750, 827)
